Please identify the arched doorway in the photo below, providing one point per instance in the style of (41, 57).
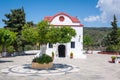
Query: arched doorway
(61, 50)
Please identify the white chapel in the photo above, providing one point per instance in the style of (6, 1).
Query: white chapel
(76, 44)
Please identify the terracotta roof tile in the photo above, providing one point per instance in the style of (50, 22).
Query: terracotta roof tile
(73, 19)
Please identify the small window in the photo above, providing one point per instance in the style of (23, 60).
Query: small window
(50, 45)
(72, 44)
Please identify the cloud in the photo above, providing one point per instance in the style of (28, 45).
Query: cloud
(92, 18)
(108, 8)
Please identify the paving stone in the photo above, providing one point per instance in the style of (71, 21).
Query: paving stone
(95, 67)
(25, 70)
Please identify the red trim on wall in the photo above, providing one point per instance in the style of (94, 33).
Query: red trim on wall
(50, 18)
(70, 25)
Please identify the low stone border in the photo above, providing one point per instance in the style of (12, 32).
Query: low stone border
(26, 70)
(41, 66)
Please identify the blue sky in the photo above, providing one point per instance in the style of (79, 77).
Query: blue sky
(91, 13)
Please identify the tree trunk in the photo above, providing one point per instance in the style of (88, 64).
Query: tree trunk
(16, 48)
(23, 46)
(4, 53)
(43, 49)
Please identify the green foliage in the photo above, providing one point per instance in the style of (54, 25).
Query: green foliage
(112, 38)
(43, 28)
(53, 35)
(28, 25)
(29, 47)
(7, 37)
(66, 34)
(43, 59)
(114, 48)
(87, 41)
(50, 34)
(10, 49)
(62, 34)
(114, 24)
(30, 35)
(15, 20)
(113, 57)
(97, 35)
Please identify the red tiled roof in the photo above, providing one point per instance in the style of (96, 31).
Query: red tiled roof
(47, 18)
(50, 18)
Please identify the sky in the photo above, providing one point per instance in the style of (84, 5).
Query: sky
(91, 13)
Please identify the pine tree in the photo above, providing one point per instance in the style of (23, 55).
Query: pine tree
(113, 35)
(112, 39)
(15, 22)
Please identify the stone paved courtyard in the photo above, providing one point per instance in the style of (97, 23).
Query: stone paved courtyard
(95, 67)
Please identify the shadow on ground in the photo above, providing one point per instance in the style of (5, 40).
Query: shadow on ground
(5, 61)
(55, 67)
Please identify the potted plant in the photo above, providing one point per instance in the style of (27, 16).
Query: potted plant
(113, 59)
(53, 55)
(42, 62)
(71, 55)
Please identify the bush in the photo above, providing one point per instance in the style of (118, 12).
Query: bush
(28, 47)
(43, 59)
(113, 57)
(10, 49)
(113, 48)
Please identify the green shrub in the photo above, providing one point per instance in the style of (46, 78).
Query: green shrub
(113, 57)
(28, 47)
(113, 48)
(10, 49)
(43, 59)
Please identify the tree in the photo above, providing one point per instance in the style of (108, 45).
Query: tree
(43, 28)
(113, 35)
(6, 38)
(51, 34)
(87, 41)
(63, 34)
(30, 34)
(14, 22)
(66, 34)
(112, 41)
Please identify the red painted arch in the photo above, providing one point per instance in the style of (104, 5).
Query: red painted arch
(73, 19)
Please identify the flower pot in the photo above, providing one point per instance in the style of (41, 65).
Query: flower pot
(52, 55)
(113, 60)
(71, 55)
(41, 66)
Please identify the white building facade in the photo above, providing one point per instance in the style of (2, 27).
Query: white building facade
(76, 44)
